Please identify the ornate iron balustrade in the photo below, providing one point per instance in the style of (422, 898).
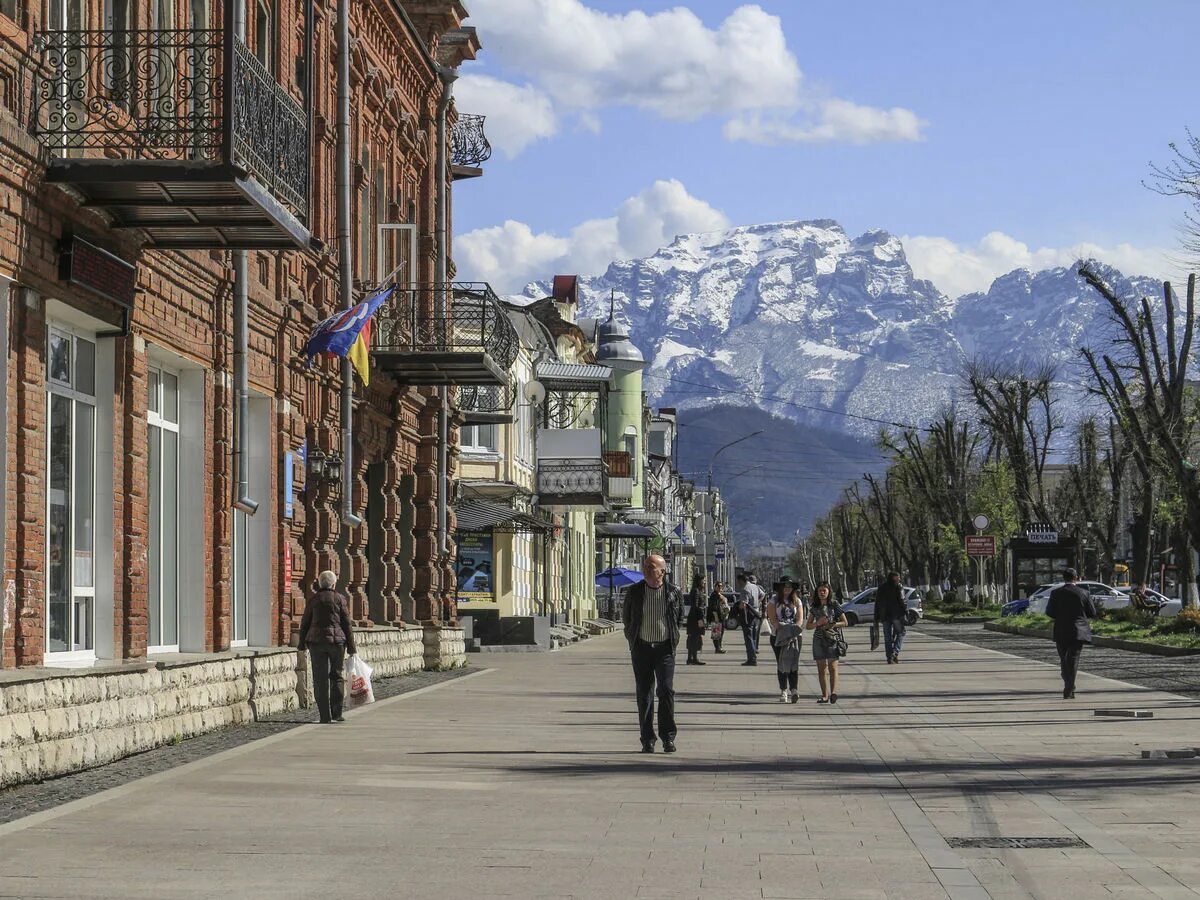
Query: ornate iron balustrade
(487, 399)
(187, 95)
(575, 478)
(468, 144)
(414, 322)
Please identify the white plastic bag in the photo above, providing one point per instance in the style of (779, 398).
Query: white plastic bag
(358, 681)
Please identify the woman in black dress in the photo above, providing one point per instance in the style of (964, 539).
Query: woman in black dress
(825, 618)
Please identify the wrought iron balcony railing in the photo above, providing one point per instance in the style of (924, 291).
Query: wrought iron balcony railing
(445, 334)
(571, 482)
(172, 95)
(468, 144)
(484, 403)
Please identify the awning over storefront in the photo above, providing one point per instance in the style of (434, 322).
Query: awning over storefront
(624, 530)
(481, 516)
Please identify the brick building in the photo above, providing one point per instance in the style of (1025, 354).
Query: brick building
(146, 145)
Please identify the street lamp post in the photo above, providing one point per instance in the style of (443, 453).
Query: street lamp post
(711, 462)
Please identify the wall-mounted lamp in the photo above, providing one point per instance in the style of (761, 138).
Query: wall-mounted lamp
(324, 469)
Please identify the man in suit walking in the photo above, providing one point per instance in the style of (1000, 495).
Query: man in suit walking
(891, 611)
(1070, 606)
(652, 610)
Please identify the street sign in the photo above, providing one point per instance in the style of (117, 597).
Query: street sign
(720, 548)
(981, 545)
(981, 523)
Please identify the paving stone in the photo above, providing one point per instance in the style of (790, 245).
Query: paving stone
(526, 782)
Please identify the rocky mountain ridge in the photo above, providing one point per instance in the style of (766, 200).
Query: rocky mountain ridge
(801, 320)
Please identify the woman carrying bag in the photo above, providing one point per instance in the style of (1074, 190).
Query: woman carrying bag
(326, 633)
(825, 621)
(718, 612)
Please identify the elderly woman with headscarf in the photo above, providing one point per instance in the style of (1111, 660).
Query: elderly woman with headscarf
(325, 633)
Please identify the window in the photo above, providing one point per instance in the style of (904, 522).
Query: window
(9, 8)
(263, 35)
(71, 494)
(119, 24)
(365, 229)
(478, 438)
(630, 443)
(163, 568)
(241, 578)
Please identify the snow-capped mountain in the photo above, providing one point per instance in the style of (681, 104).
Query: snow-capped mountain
(801, 320)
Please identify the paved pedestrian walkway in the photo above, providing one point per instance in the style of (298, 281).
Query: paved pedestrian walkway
(526, 781)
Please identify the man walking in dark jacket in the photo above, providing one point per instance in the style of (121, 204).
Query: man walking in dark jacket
(325, 632)
(652, 610)
(891, 612)
(1070, 606)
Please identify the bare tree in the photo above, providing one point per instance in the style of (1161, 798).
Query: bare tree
(1180, 177)
(1146, 387)
(1017, 407)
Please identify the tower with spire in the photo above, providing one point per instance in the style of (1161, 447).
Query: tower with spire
(625, 420)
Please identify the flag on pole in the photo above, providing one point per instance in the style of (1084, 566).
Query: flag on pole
(348, 334)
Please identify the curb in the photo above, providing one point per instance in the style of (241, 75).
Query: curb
(1098, 641)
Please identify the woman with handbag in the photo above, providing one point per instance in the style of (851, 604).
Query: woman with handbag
(825, 621)
(718, 612)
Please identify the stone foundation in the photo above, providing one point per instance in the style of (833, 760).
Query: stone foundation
(56, 722)
(391, 651)
(445, 648)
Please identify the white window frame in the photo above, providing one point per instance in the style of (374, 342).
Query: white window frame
(473, 446)
(55, 388)
(154, 418)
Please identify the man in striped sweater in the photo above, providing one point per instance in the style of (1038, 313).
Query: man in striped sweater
(652, 610)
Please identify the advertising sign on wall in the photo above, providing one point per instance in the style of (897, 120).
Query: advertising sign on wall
(474, 568)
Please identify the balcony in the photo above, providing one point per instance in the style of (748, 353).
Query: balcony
(181, 133)
(451, 334)
(620, 478)
(486, 404)
(469, 148)
(570, 468)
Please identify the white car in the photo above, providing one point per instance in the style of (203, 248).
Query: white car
(861, 607)
(1102, 595)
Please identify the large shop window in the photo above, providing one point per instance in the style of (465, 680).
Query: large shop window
(163, 432)
(71, 495)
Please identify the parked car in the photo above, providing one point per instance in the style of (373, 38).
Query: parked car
(861, 607)
(1166, 606)
(1103, 596)
(1014, 607)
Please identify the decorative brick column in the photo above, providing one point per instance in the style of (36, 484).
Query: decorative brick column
(130, 409)
(28, 378)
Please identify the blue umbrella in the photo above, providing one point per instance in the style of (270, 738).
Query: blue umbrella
(617, 577)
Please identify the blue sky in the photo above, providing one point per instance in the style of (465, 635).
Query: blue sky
(1033, 122)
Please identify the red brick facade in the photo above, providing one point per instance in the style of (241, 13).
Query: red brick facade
(183, 314)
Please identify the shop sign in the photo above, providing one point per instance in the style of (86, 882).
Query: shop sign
(88, 266)
(981, 545)
(1042, 537)
(474, 568)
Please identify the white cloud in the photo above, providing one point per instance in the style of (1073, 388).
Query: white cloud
(834, 120)
(516, 116)
(959, 269)
(511, 255)
(673, 65)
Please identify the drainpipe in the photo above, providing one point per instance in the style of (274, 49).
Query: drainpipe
(241, 468)
(448, 76)
(345, 256)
